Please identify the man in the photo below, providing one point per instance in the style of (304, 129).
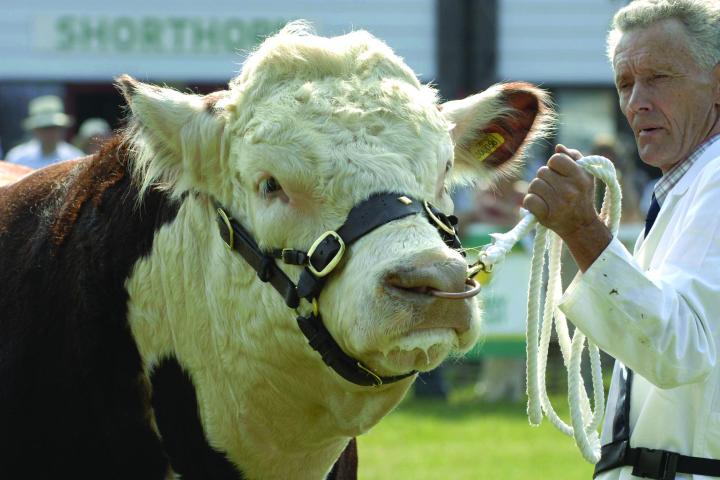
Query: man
(658, 311)
(92, 134)
(48, 122)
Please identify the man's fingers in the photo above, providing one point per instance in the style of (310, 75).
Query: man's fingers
(543, 189)
(536, 205)
(563, 164)
(550, 176)
(538, 198)
(571, 152)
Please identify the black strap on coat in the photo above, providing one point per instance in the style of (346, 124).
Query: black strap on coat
(322, 258)
(651, 463)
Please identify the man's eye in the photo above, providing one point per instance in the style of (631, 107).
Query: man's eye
(269, 186)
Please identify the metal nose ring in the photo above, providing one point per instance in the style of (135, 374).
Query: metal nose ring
(474, 290)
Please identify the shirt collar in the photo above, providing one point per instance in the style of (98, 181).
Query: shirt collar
(673, 176)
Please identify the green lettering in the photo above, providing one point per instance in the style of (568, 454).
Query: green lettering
(159, 35)
(65, 33)
(92, 35)
(205, 36)
(178, 26)
(151, 38)
(233, 35)
(124, 34)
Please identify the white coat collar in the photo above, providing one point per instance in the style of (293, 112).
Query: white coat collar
(645, 247)
(684, 183)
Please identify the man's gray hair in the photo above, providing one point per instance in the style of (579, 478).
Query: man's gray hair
(701, 19)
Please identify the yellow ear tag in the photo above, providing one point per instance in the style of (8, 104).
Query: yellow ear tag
(486, 145)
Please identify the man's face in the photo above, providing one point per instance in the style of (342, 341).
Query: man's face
(670, 102)
(49, 137)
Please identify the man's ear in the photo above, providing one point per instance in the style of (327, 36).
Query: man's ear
(178, 138)
(492, 128)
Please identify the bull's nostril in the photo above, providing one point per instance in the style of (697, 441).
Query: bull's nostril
(436, 280)
(407, 280)
(421, 290)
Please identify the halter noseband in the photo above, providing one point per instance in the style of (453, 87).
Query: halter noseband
(321, 259)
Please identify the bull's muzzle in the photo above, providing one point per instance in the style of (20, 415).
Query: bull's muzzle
(425, 274)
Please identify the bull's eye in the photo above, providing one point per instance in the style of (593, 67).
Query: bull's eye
(448, 166)
(269, 186)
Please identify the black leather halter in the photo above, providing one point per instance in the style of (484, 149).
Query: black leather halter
(321, 259)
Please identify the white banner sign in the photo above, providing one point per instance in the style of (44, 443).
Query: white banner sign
(178, 40)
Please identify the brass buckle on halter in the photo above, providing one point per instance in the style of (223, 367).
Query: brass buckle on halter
(444, 226)
(334, 261)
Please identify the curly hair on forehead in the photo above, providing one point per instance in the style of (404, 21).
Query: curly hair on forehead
(701, 19)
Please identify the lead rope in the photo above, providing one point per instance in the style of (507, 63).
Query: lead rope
(584, 422)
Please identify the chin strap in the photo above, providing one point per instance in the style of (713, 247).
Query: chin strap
(320, 260)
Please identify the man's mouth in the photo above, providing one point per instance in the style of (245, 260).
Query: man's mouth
(649, 131)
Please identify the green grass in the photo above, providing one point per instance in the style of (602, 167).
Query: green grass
(468, 439)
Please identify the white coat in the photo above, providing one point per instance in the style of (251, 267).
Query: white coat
(658, 312)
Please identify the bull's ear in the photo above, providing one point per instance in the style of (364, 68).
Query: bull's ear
(177, 137)
(492, 129)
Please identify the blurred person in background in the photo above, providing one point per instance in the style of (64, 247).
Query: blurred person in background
(656, 311)
(48, 124)
(92, 134)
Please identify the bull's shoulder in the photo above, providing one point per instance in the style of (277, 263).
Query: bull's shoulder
(22, 188)
(73, 383)
(50, 204)
(54, 194)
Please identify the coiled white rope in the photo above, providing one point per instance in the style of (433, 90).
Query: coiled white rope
(584, 421)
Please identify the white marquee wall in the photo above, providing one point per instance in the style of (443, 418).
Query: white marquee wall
(555, 42)
(87, 40)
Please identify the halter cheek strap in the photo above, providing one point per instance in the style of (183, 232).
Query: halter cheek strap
(321, 259)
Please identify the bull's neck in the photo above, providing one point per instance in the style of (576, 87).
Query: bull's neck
(265, 398)
(302, 418)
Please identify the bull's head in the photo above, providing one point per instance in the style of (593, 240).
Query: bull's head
(311, 128)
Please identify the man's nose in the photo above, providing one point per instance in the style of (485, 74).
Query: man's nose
(639, 99)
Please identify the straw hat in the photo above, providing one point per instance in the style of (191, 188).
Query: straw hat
(94, 127)
(46, 111)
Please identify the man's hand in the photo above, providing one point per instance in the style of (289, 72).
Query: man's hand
(562, 198)
(562, 195)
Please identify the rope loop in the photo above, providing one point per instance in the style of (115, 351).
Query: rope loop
(584, 421)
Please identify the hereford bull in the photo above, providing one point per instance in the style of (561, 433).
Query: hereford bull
(161, 313)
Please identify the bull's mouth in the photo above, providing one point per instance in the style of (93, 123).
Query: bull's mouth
(420, 349)
(426, 335)
(472, 288)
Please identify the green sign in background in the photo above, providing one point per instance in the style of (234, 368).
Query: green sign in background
(158, 35)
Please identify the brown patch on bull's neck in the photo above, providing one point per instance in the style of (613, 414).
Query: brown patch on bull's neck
(211, 100)
(90, 181)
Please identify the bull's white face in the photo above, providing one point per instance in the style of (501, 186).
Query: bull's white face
(311, 128)
(312, 151)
